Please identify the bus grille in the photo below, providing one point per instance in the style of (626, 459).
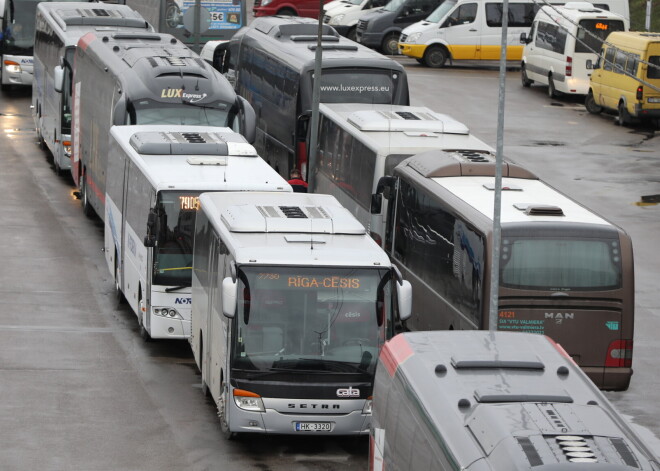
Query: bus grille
(326, 19)
(362, 24)
(402, 38)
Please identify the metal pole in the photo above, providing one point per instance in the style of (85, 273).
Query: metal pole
(647, 23)
(316, 98)
(497, 232)
(196, 27)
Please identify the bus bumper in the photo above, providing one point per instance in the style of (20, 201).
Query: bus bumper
(372, 40)
(642, 111)
(169, 328)
(609, 379)
(274, 422)
(413, 50)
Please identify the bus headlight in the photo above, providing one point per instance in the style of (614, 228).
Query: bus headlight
(265, 2)
(67, 148)
(12, 67)
(336, 20)
(167, 312)
(413, 38)
(247, 400)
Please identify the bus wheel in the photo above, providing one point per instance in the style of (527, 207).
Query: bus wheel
(591, 105)
(526, 82)
(435, 56)
(287, 12)
(552, 91)
(390, 44)
(173, 16)
(87, 207)
(623, 118)
(222, 413)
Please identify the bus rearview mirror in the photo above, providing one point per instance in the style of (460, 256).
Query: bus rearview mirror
(376, 203)
(404, 299)
(229, 288)
(248, 120)
(58, 78)
(589, 65)
(523, 38)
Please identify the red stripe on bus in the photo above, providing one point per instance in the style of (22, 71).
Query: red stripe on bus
(86, 40)
(395, 352)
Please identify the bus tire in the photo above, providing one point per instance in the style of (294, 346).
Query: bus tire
(390, 44)
(222, 413)
(526, 82)
(435, 57)
(591, 105)
(86, 206)
(287, 12)
(172, 15)
(552, 91)
(623, 118)
(144, 333)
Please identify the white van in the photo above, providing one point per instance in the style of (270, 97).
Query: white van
(472, 30)
(561, 41)
(344, 14)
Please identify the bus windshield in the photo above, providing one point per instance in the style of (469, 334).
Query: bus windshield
(213, 114)
(440, 12)
(560, 264)
(302, 320)
(175, 229)
(18, 27)
(393, 5)
(359, 86)
(592, 33)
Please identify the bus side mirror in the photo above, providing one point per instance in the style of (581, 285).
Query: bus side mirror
(229, 289)
(523, 38)
(589, 65)
(404, 299)
(58, 78)
(150, 239)
(119, 112)
(376, 203)
(248, 119)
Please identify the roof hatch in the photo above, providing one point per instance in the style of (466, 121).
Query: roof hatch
(98, 17)
(532, 209)
(415, 119)
(192, 143)
(463, 162)
(291, 219)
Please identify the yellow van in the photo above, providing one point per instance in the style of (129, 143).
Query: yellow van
(626, 77)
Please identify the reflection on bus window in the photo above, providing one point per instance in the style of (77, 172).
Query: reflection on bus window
(153, 112)
(300, 319)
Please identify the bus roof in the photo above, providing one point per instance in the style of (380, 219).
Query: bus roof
(293, 40)
(569, 14)
(398, 129)
(291, 229)
(633, 39)
(71, 20)
(470, 176)
(173, 158)
(511, 398)
(156, 65)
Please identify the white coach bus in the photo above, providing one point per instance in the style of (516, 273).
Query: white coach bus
(155, 176)
(293, 301)
(358, 144)
(58, 27)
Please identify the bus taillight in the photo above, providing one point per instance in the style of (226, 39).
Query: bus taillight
(619, 354)
(569, 66)
(640, 93)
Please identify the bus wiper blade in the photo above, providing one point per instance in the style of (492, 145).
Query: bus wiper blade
(175, 288)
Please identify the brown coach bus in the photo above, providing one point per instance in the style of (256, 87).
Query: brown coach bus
(564, 271)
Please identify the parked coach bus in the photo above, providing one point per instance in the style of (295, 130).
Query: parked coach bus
(358, 144)
(59, 26)
(293, 301)
(564, 271)
(155, 176)
(141, 78)
(274, 58)
(17, 41)
(478, 401)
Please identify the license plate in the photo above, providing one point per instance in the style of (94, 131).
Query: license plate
(313, 426)
(654, 100)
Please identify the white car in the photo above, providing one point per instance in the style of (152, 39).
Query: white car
(343, 15)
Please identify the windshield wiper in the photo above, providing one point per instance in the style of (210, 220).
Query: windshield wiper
(175, 288)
